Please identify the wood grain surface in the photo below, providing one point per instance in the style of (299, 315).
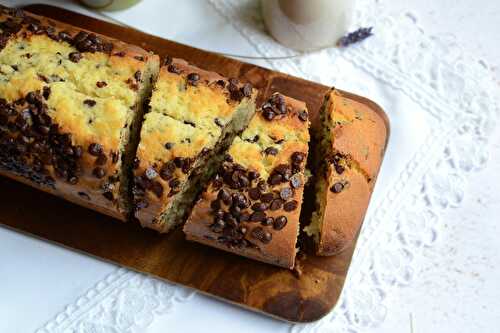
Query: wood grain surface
(288, 295)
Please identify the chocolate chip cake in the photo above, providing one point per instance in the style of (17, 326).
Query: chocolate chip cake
(70, 109)
(350, 146)
(194, 115)
(252, 205)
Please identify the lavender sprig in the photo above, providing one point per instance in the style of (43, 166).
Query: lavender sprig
(355, 37)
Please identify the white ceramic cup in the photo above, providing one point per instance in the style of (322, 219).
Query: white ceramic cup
(307, 24)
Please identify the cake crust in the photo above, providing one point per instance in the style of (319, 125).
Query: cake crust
(355, 145)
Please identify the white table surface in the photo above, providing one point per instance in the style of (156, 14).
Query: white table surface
(457, 285)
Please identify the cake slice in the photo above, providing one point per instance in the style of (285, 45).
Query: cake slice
(252, 206)
(194, 115)
(350, 146)
(70, 109)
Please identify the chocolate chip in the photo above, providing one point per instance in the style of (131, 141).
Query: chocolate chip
(78, 151)
(268, 114)
(84, 195)
(46, 92)
(75, 56)
(99, 172)
(247, 90)
(193, 78)
(157, 189)
(73, 180)
(252, 175)
(271, 151)
(267, 197)
(290, 206)
(337, 188)
(257, 216)
(280, 222)
(172, 68)
(303, 115)
(218, 122)
(108, 195)
(259, 206)
(260, 234)
(139, 58)
(101, 84)
(295, 181)
(267, 221)
(95, 149)
(254, 193)
(150, 173)
(275, 179)
(174, 183)
(298, 157)
(141, 204)
(169, 145)
(218, 226)
(244, 216)
(286, 193)
(340, 169)
(101, 160)
(167, 61)
(276, 204)
(224, 196)
(137, 76)
(89, 102)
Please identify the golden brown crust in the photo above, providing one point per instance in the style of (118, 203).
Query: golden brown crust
(81, 89)
(263, 176)
(357, 140)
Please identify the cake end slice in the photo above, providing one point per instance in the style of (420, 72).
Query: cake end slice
(349, 150)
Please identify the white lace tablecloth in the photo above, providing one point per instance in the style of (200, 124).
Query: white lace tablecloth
(443, 103)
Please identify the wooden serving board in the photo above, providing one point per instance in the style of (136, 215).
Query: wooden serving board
(274, 291)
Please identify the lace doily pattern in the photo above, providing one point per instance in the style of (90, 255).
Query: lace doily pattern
(454, 92)
(124, 301)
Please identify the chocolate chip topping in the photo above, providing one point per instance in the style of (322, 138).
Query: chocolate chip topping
(290, 206)
(280, 222)
(298, 157)
(99, 172)
(192, 78)
(95, 149)
(254, 193)
(260, 234)
(89, 102)
(286, 193)
(150, 173)
(303, 115)
(295, 181)
(75, 56)
(172, 68)
(337, 187)
(271, 151)
(169, 145)
(101, 84)
(276, 204)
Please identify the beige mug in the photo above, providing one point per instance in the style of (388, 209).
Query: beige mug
(109, 4)
(307, 24)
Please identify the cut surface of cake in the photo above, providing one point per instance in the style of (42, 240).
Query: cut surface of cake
(252, 205)
(194, 115)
